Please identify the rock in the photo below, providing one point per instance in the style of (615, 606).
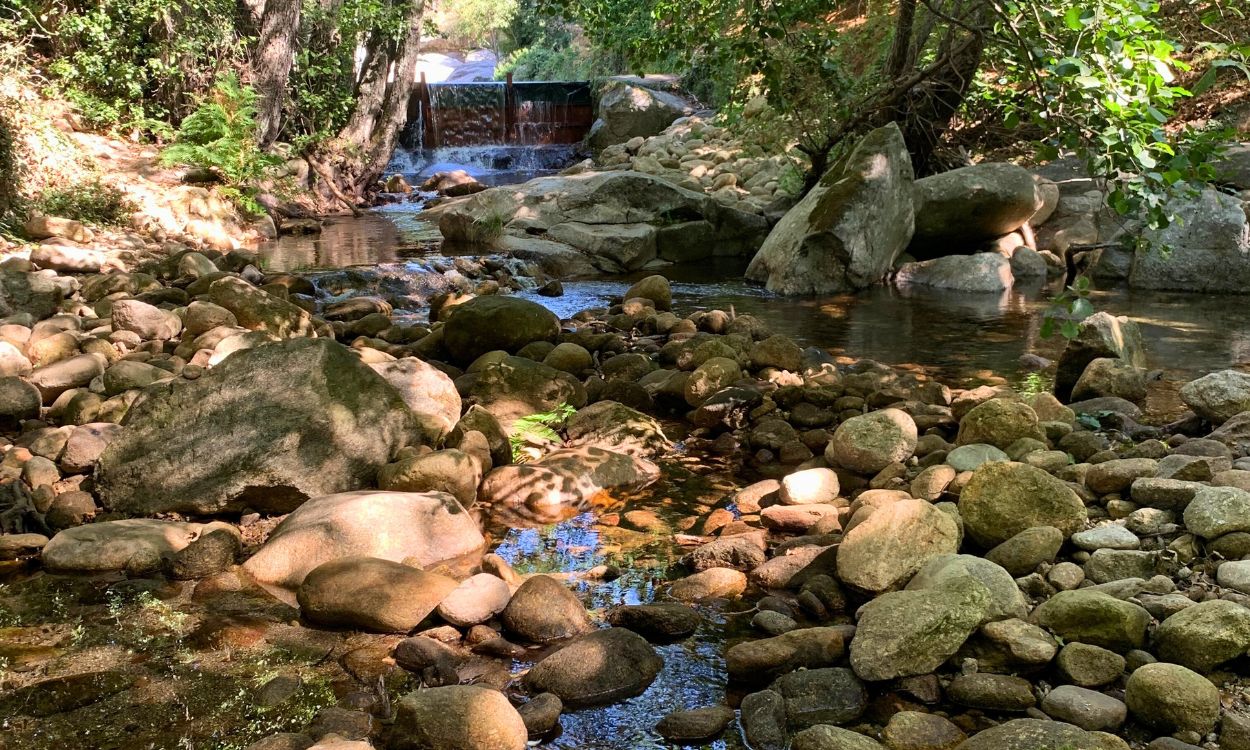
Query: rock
(371, 594)
(266, 429)
(1207, 246)
(426, 528)
(131, 544)
(41, 227)
(661, 621)
(1032, 734)
(125, 375)
(1219, 396)
(1010, 646)
(1101, 335)
(909, 633)
(655, 288)
(1107, 536)
(67, 258)
(1005, 602)
(475, 600)
(451, 471)
(897, 540)
(767, 658)
(615, 427)
(428, 392)
(542, 714)
(627, 111)
(991, 692)
(1000, 423)
(515, 387)
(778, 352)
(1215, 511)
(713, 375)
(457, 717)
(1003, 499)
(1170, 697)
(1205, 635)
(1110, 377)
(565, 478)
(1022, 553)
(869, 443)
(847, 232)
(1087, 709)
(58, 695)
(809, 486)
(257, 310)
(972, 204)
(598, 668)
(983, 272)
(696, 726)
(485, 324)
(1090, 666)
(1090, 616)
(1235, 433)
(202, 317)
(16, 546)
(213, 552)
(19, 400)
(763, 720)
(740, 551)
(825, 737)
(915, 730)
(1028, 264)
(76, 372)
(542, 610)
(148, 321)
(821, 696)
(970, 457)
(713, 583)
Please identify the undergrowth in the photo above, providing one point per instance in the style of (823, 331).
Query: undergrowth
(93, 202)
(540, 428)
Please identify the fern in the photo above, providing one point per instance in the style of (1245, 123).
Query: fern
(540, 427)
(220, 136)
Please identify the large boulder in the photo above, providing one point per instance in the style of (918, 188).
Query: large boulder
(485, 324)
(973, 204)
(1171, 698)
(457, 717)
(598, 668)
(982, 272)
(131, 544)
(1004, 498)
(422, 528)
(429, 393)
(627, 110)
(616, 427)
(1100, 336)
(266, 429)
(1219, 396)
(371, 594)
(564, 480)
(847, 232)
(884, 551)
(1206, 248)
(515, 387)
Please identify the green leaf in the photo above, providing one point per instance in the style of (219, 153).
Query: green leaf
(1082, 308)
(1069, 329)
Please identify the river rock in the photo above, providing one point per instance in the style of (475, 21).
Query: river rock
(451, 471)
(628, 110)
(832, 695)
(970, 457)
(825, 737)
(1003, 499)
(1101, 335)
(763, 720)
(266, 429)
(1204, 249)
(542, 610)
(870, 442)
(983, 272)
(149, 321)
(916, 730)
(847, 232)
(1215, 511)
(655, 288)
(371, 594)
(565, 478)
(1089, 666)
(1090, 616)
(76, 372)
(662, 621)
(257, 310)
(909, 633)
(713, 583)
(999, 422)
(713, 375)
(1033, 734)
(1171, 698)
(429, 393)
(19, 400)
(496, 322)
(1218, 397)
(67, 258)
(425, 528)
(897, 540)
(616, 427)
(135, 544)
(1087, 709)
(1205, 635)
(1110, 377)
(475, 600)
(457, 717)
(1006, 601)
(992, 692)
(807, 648)
(515, 387)
(972, 204)
(696, 726)
(598, 668)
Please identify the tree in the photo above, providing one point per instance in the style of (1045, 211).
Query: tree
(271, 66)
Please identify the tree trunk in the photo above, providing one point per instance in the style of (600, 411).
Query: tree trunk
(275, 53)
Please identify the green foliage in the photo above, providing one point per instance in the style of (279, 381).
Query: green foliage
(540, 427)
(93, 202)
(478, 22)
(220, 135)
(1067, 310)
(10, 179)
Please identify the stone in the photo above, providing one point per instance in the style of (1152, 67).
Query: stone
(909, 633)
(475, 600)
(970, 457)
(1089, 666)
(713, 375)
(126, 375)
(451, 471)
(213, 552)
(1106, 536)
(809, 486)
(713, 583)
(1000, 423)
(515, 387)
(764, 659)
(1234, 433)
(457, 717)
(1117, 475)
(868, 443)
(830, 695)
(1005, 602)
(76, 372)
(371, 594)
(137, 543)
(1205, 635)
(19, 400)
(1101, 335)
(566, 478)
(972, 204)
(257, 310)
(661, 621)
(485, 324)
(897, 540)
(149, 321)
(541, 714)
(983, 272)
(1032, 734)
(67, 258)
(1110, 377)
(778, 351)
(266, 429)
(825, 737)
(655, 288)
(1087, 709)
(1219, 396)
(915, 730)
(740, 551)
(763, 720)
(1207, 247)
(696, 726)
(1216, 511)
(202, 317)
(627, 110)
(543, 610)
(616, 427)
(991, 692)
(1170, 697)
(428, 392)
(1003, 499)
(425, 528)
(1089, 616)
(848, 231)
(598, 668)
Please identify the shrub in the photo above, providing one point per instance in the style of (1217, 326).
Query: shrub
(93, 202)
(9, 178)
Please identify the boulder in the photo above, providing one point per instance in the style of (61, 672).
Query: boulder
(19, 400)
(515, 387)
(543, 610)
(870, 442)
(371, 594)
(764, 659)
(1219, 396)
(1090, 616)
(76, 372)
(627, 110)
(831, 695)
(615, 427)
(564, 479)
(451, 471)
(1033, 734)
(495, 322)
(598, 668)
(1004, 498)
(148, 321)
(1215, 511)
(973, 204)
(429, 393)
(424, 528)
(897, 540)
(847, 232)
(1100, 336)
(655, 288)
(1206, 248)
(1006, 601)
(1110, 377)
(131, 544)
(457, 717)
(1171, 698)
(67, 258)
(982, 272)
(612, 248)
(257, 310)
(30, 293)
(999, 422)
(1205, 635)
(266, 429)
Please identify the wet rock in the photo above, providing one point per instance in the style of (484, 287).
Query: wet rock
(741, 551)
(1205, 635)
(713, 583)
(457, 717)
(1000, 423)
(475, 600)
(429, 393)
(982, 272)
(914, 730)
(661, 622)
(1170, 697)
(566, 478)
(695, 726)
(425, 528)
(598, 668)
(867, 444)
(807, 648)
(1087, 709)
(491, 323)
(992, 692)
(764, 720)
(1093, 617)
(821, 696)
(182, 449)
(137, 543)
(542, 610)
(1110, 377)
(1101, 335)
(893, 543)
(541, 714)
(1003, 498)
(371, 594)
(58, 695)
